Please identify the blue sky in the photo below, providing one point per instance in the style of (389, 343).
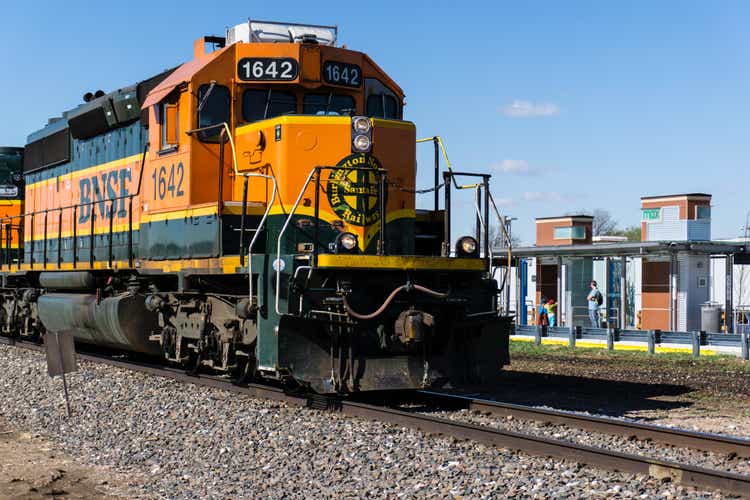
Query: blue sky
(570, 105)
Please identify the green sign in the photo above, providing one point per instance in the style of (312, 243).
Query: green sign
(651, 214)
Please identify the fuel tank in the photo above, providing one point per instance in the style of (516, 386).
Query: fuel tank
(121, 322)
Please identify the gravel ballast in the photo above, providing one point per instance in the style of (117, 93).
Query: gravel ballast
(183, 441)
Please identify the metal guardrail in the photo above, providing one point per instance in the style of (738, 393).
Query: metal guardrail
(651, 338)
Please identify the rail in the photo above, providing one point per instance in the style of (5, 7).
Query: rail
(672, 436)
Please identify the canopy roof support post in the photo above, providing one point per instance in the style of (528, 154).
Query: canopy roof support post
(673, 269)
(729, 294)
(623, 292)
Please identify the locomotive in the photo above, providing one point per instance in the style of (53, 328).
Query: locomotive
(251, 212)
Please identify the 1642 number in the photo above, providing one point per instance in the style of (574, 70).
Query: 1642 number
(338, 73)
(168, 181)
(266, 68)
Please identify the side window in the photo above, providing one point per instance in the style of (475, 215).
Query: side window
(170, 124)
(260, 104)
(213, 109)
(381, 101)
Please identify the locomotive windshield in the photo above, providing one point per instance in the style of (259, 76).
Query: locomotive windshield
(329, 104)
(260, 104)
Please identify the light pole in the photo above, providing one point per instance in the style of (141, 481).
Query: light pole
(508, 223)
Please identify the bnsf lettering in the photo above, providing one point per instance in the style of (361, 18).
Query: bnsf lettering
(168, 181)
(101, 189)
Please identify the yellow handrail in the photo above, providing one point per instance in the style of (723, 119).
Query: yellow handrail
(447, 160)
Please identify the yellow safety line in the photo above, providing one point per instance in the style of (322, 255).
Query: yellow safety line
(617, 347)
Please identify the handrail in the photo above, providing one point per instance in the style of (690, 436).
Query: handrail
(439, 141)
(75, 207)
(277, 262)
(484, 229)
(257, 231)
(291, 213)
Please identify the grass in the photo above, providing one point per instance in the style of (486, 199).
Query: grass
(726, 363)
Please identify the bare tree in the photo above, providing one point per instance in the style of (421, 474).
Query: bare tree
(497, 238)
(603, 223)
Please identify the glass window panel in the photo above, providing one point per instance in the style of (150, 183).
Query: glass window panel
(215, 110)
(318, 104)
(256, 104)
(563, 233)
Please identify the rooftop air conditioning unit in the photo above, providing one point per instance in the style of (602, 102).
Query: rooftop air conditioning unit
(275, 32)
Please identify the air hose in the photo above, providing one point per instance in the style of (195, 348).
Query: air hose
(379, 311)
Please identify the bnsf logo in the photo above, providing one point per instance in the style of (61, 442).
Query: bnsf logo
(104, 187)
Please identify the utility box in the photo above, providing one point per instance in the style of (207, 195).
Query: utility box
(711, 317)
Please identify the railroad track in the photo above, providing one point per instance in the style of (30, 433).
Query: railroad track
(679, 438)
(598, 457)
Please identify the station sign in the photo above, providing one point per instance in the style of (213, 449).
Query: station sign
(651, 214)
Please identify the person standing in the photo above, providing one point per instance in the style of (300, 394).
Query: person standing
(542, 320)
(595, 299)
(551, 312)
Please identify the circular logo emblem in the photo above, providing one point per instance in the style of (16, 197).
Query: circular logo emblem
(353, 194)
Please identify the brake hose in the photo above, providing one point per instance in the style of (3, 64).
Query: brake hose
(390, 298)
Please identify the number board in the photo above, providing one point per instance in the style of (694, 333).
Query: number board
(338, 73)
(251, 69)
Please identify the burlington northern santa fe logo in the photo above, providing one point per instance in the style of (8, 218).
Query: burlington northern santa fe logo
(353, 194)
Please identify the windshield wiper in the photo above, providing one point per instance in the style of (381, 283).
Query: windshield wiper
(205, 96)
(328, 104)
(268, 103)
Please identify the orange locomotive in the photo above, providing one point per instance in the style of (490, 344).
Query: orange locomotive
(253, 211)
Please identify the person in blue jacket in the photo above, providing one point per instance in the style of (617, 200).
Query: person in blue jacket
(595, 300)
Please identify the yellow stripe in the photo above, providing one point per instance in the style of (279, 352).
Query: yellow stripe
(617, 347)
(88, 171)
(10, 203)
(179, 214)
(237, 210)
(400, 262)
(84, 230)
(228, 265)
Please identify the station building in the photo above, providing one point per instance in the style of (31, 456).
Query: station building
(675, 279)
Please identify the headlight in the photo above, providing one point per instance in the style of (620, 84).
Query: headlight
(346, 242)
(467, 246)
(361, 143)
(361, 124)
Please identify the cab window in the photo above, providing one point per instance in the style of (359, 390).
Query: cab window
(170, 123)
(382, 106)
(260, 104)
(213, 109)
(381, 101)
(328, 104)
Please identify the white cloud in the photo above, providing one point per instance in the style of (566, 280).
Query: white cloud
(504, 202)
(528, 109)
(535, 196)
(520, 167)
